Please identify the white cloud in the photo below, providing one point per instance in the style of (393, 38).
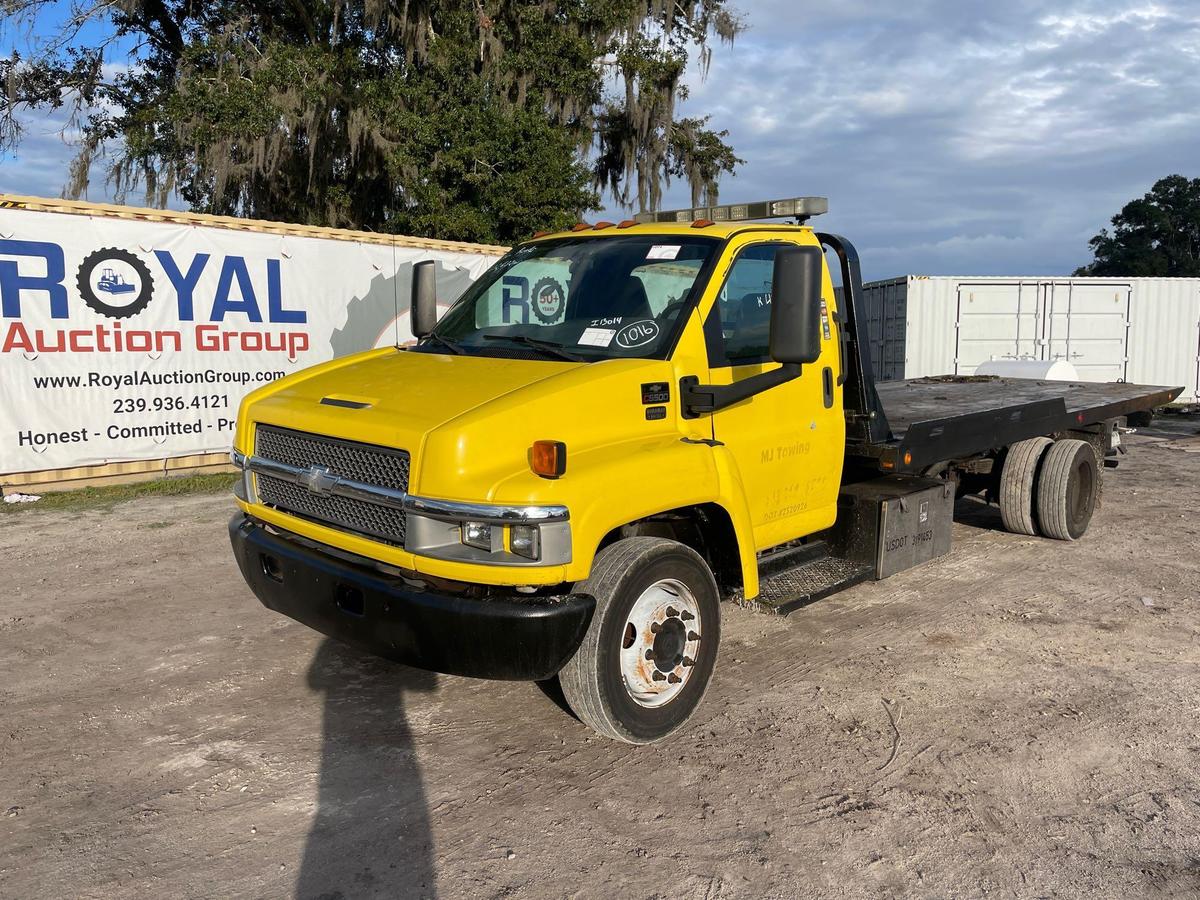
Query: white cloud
(1069, 24)
(762, 120)
(889, 101)
(988, 138)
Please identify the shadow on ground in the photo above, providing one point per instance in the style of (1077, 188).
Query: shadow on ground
(975, 511)
(371, 836)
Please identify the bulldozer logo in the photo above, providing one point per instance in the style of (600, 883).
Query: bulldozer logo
(115, 283)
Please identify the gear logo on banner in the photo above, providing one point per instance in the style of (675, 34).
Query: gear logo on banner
(378, 317)
(549, 300)
(115, 283)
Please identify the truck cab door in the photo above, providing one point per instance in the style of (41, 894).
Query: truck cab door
(787, 442)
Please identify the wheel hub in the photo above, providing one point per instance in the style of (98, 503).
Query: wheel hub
(669, 644)
(660, 643)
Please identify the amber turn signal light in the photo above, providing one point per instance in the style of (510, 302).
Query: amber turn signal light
(548, 458)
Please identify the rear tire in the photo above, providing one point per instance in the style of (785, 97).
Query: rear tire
(1017, 485)
(650, 650)
(1067, 488)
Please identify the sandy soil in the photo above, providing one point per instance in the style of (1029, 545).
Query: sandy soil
(163, 735)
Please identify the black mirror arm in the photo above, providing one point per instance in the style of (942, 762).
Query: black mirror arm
(698, 400)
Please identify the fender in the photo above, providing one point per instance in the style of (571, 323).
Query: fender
(732, 497)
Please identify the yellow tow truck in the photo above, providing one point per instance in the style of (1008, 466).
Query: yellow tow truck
(615, 429)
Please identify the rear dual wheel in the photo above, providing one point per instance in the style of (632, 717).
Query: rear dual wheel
(1049, 488)
(1068, 486)
(1017, 484)
(650, 650)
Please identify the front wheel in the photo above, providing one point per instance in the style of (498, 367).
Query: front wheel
(651, 648)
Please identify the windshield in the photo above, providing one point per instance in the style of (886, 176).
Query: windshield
(578, 298)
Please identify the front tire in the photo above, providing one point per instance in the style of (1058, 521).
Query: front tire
(650, 650)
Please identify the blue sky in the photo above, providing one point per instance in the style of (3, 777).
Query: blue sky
(950, 137)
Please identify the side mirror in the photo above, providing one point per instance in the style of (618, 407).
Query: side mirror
(423, 315)
(796, 305)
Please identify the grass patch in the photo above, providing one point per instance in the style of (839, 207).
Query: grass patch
(108, 497)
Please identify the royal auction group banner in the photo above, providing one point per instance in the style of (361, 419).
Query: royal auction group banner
(123, 339)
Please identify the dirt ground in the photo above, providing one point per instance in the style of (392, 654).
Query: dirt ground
(163, 735)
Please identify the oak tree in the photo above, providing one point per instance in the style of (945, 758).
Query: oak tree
(1156, 235)
(476, 120)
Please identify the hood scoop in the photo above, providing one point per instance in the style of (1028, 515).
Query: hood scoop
(346, 402)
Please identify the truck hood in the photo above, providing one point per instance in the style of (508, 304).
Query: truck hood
(469, 421)
(392, 397)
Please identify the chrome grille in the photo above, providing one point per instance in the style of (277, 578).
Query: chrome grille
(366, 463)
(380, 466)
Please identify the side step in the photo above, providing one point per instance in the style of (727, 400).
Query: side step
(883, 526)
(802, 575)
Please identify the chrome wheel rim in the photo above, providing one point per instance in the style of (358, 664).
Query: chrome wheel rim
(660, 643)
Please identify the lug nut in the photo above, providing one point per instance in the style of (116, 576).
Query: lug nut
(659, 676)
(688, 662)
(692, 636)
(650, 655)
(655, 628)
(673, 679)
(672, 612)
(686, 616)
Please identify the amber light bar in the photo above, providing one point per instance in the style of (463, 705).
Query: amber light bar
(800, 207)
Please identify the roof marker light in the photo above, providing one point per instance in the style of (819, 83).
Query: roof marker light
(600, 226)
(803, 208)
(580, 226)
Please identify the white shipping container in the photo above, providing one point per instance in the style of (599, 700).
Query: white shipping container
(1140, 330)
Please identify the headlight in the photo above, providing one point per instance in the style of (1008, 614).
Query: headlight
(525, 540)
(490, 534)
(479, 535)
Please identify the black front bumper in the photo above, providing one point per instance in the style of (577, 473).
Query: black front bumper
(511, 637)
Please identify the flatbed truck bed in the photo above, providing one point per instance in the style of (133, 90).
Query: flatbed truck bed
(932, 426)
(933, 420)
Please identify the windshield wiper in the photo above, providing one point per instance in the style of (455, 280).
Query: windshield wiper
(450, 345)
(548, 347)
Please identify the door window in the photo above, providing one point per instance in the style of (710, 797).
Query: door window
(738, 328)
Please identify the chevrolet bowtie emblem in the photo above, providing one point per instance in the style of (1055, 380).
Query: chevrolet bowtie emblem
(319, 480)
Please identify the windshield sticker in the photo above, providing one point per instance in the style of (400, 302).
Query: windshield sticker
(664, 251)
(549, 299)
(596, 337)
(637, 334)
